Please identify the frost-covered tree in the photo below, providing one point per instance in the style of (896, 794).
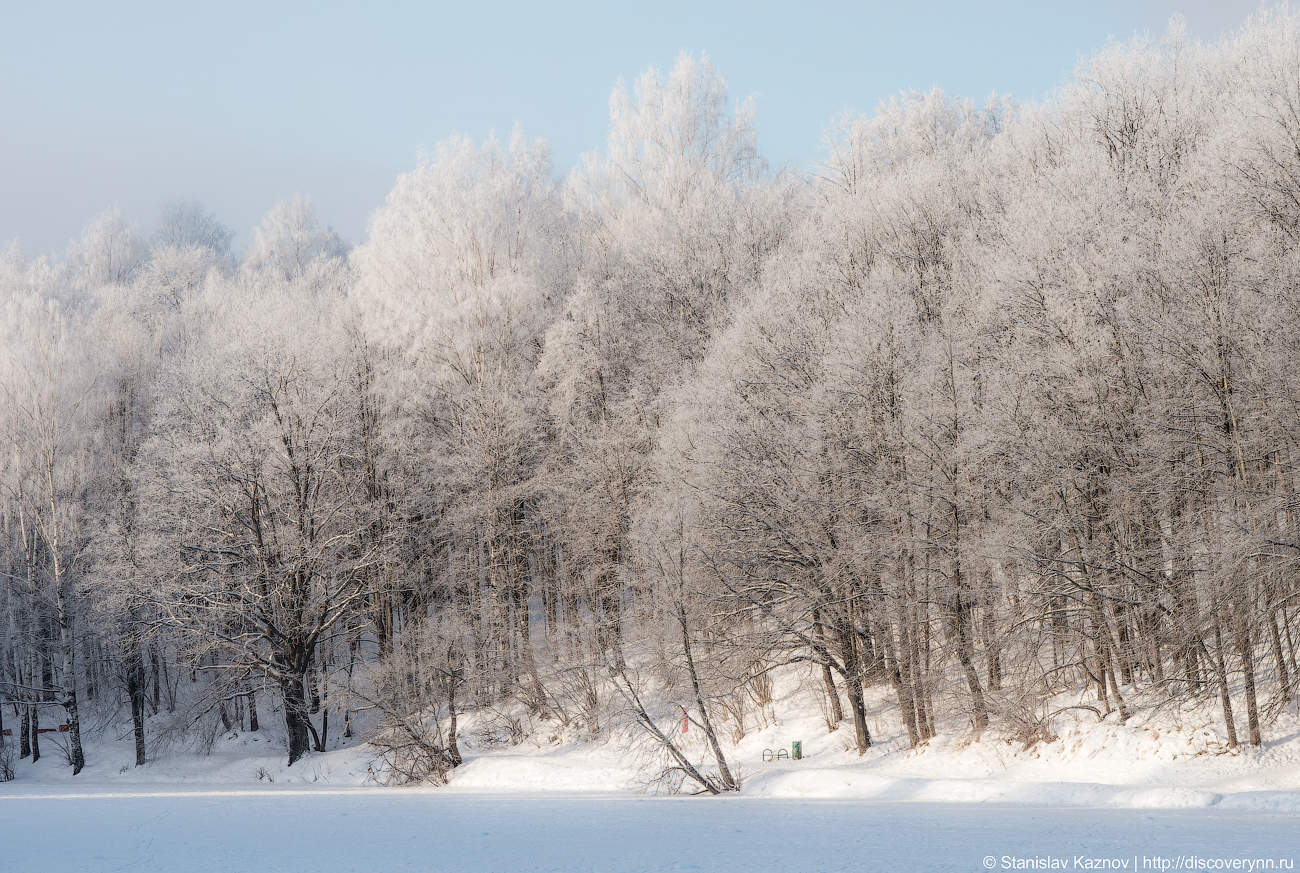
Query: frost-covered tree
(186, 224)
(259, 484)
(289, 242)
(460, 277)
(48, 393)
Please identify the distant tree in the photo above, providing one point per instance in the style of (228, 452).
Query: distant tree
(288, 240)
(109, 252)
(185, 224)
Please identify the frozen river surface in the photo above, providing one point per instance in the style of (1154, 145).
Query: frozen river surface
(383, 830)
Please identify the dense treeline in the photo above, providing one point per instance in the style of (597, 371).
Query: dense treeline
(996, 406)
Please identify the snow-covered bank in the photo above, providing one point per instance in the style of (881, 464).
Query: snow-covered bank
(1170, 760)
(1159, 759)
(1074, 772)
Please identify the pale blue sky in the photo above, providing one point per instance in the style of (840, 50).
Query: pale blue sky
(240, 103)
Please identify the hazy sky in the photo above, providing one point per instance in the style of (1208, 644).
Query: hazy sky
(239, 104)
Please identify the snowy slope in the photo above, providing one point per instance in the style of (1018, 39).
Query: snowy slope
(1157, 760)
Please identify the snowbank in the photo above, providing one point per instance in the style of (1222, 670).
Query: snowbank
(1167, 760)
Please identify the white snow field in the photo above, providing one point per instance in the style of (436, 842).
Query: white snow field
(1160, 792)
(422, 829)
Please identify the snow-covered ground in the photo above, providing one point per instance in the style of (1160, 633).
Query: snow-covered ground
(1097, 764)
(1163, 786)
(1159, 759)
(384, 829)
